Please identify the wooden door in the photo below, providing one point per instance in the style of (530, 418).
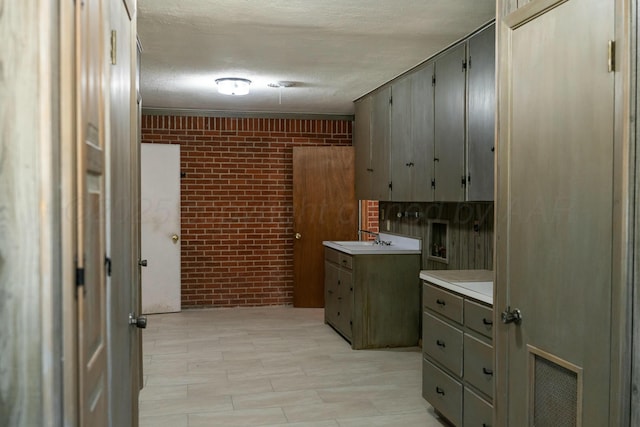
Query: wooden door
(92, 302)
(123, 282)
(160, 223)
(324, 208)
(555, 214)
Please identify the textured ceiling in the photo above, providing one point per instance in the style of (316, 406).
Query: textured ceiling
(334, 51)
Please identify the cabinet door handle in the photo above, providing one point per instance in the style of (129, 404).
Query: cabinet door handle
(487, 371)
(440, 391)
(487, 321)
(330, 291)
(440, 343)
(441, 303)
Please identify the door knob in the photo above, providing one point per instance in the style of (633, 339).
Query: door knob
(298, 236)
(175, 238)
(511, 316)
(139, 321)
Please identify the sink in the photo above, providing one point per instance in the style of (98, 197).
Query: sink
(399, 245)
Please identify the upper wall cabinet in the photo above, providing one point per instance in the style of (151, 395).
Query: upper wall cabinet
(481, 98)
(433, 139)
(449, 130)
(412, 136)
(380, 135)
(362, 147)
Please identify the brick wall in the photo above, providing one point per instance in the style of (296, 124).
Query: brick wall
(237, 202)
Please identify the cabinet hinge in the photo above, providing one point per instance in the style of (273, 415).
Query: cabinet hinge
(463, 181)
(469, 179)
(469, 62)
(113, 47)
(390, 185)
(433, 80)
(391, 100)
(107, 264)
(464, 65)
(611, 56)
(79, 277)
(433, 183)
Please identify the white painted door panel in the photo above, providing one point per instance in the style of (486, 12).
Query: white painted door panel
(160, 206)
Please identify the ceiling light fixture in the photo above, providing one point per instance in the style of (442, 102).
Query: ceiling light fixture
(233, 86)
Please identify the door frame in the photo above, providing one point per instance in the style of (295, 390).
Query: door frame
(626, 186)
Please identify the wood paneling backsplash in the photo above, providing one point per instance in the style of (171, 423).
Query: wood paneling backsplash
(470, 230)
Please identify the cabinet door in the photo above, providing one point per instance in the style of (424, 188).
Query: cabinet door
(422, 134)
(449, 125)
(345, 301)
(331, 277)
(362, 148)
(481, 119)
(402, 159)
(380, 117)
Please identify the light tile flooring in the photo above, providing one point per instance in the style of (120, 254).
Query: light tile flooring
(273, 366)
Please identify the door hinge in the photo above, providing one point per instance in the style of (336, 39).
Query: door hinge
(611, 53)
(107, 264)
(433, 80)
(114, 47)
(464, 65)
(79, 277)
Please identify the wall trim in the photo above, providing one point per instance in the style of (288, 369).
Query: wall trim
(153, 111)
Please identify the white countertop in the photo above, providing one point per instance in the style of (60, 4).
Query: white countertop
(400, 245)
(476, 284)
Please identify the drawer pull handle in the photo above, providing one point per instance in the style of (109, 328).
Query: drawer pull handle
(485, 424)
(440, 343)
(441, 302)
(487, 371)
(440, 391)
(487, 321)
(330, 292)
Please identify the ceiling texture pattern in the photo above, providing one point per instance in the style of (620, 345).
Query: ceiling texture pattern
(329, 52)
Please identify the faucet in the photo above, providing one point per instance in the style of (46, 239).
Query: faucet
(377, 240)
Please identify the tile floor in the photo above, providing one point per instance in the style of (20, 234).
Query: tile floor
(273, 366)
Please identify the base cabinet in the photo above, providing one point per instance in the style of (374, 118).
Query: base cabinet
(373, 301)
(457, 368)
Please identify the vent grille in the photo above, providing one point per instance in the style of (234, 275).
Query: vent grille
(555, 396)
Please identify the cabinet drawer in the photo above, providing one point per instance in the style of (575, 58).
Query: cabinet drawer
(477, 411)
(442, 342)
(346, 261)
(442, 302)
(478, 364)
(332, 255)
(479, 318)
(442, 391)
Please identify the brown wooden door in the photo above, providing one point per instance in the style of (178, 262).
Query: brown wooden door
(324, 208)
(92, 302)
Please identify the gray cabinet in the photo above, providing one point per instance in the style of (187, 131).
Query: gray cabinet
(449, 128)
(481, 99)
(412, 136)
(362, 147)
(380, 129)
(373, 301)
(457, 376)
(371, 145)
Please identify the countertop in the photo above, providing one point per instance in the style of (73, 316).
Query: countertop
(399, 245)
(476, 284)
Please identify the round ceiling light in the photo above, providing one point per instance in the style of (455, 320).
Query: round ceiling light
(233, 86)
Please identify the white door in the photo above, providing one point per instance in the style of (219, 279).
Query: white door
(160, 206)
